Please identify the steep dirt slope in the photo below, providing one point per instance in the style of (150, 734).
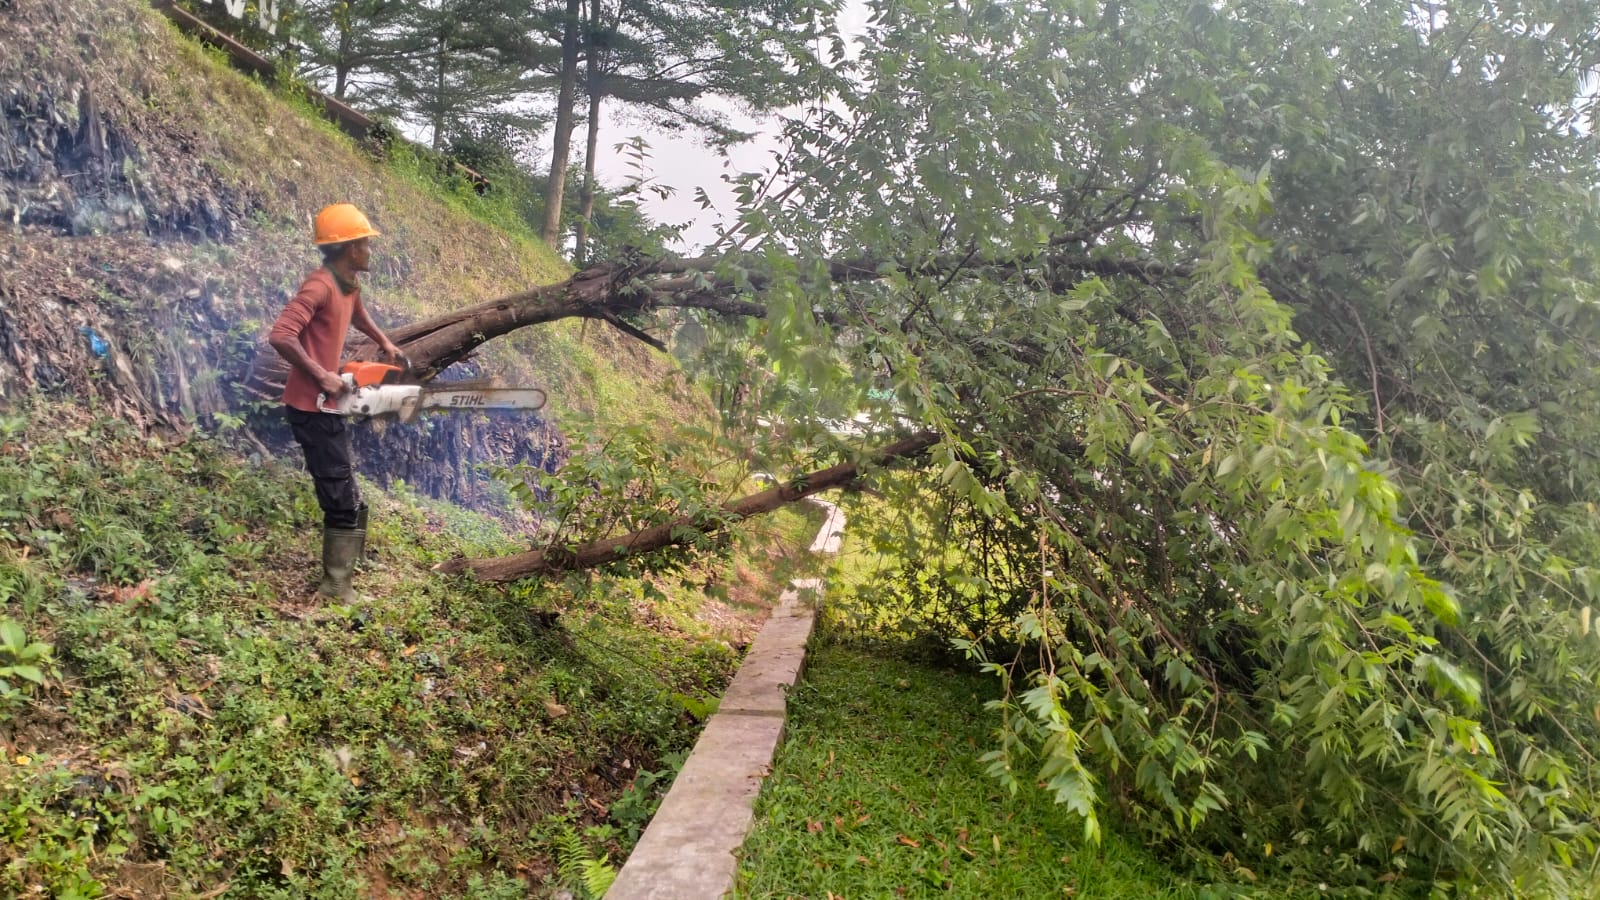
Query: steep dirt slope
(154, 212)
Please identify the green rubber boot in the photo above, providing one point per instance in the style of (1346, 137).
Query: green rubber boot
(340, 547)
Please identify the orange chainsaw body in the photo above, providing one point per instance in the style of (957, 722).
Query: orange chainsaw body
(367, 374)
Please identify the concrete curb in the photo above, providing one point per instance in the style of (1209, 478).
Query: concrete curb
(831, 532)
(687, 851)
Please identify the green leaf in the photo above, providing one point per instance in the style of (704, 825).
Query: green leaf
(12, 637)
(30, 673)
(1441, 604)
(1227, 465)
(1448, 678)
(1139, 447)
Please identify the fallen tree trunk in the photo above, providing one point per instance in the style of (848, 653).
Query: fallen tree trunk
(604, 292)
(552, 560)
(611, 290)
(608, 291)
(434, 344)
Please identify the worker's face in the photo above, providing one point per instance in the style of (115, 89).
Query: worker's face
(360, 254)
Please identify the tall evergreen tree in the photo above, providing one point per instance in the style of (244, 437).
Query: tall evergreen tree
(666, 59)
(463, 61)
(568, 25)
(440, 64)
(349, 46)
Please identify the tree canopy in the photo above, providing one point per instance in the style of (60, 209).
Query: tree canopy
(1239, 364)
(1263, 338)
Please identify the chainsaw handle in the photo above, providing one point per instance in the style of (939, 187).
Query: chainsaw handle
(349, 388)
(400, 358)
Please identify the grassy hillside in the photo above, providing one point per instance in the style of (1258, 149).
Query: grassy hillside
(201, 726)
(176, 718)
(165, 201)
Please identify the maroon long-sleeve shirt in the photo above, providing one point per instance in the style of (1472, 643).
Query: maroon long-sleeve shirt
(318, 318)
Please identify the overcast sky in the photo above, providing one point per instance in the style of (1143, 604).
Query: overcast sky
(682, 163)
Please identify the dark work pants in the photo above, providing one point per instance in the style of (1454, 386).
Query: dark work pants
(326, 441)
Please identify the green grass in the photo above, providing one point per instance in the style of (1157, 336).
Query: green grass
(205, 724)
(878, 792)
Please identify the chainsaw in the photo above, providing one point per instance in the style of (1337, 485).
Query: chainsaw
(378, 390)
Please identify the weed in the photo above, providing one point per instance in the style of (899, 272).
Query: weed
(634, 809)
(21, 661)
(581, 871)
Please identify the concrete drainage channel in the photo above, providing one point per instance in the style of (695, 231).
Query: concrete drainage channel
(687, 851)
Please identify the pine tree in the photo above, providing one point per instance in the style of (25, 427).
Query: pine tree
(439, 64)
(666, 59)
(347, 45)
(463, 61)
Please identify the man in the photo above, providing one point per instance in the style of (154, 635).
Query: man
(309, 335)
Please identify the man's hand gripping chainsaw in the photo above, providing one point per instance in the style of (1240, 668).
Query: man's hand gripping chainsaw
(379, 390)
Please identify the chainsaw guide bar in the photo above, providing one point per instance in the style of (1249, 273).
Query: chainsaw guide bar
(376, 390)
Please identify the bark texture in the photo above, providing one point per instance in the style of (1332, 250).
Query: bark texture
(562, 151)
(596, 92)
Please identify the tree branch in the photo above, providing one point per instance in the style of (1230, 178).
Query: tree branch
(609, 290)
(552, 560)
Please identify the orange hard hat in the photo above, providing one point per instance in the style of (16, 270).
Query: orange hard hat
(342, 222)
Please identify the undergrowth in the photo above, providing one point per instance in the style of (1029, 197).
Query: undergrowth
(202, 725)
